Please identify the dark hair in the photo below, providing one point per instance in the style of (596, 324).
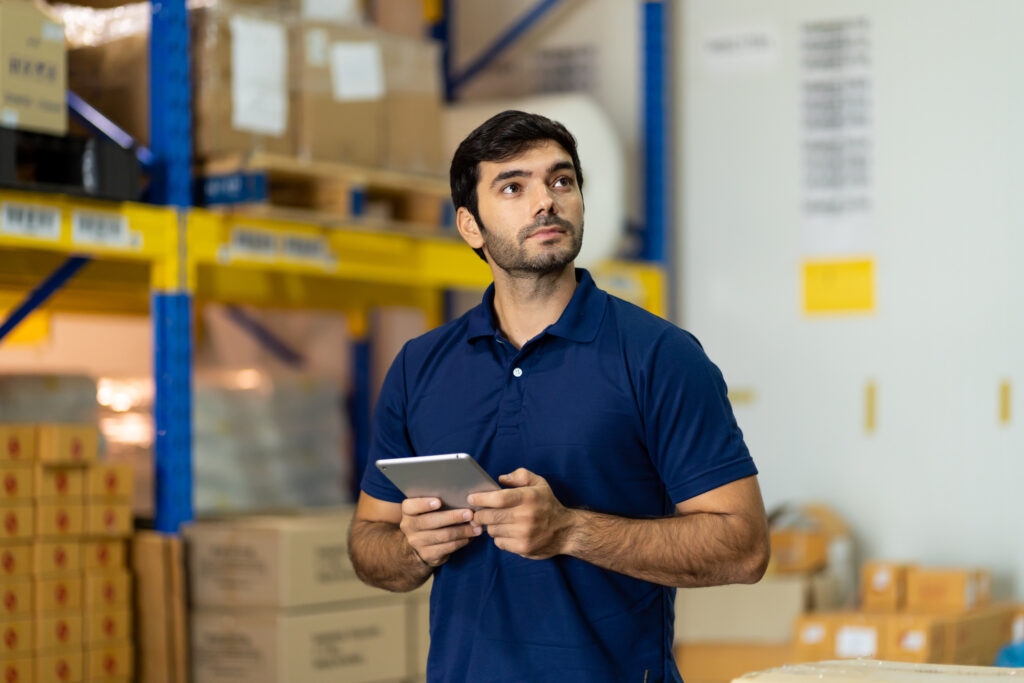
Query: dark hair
(502, 137)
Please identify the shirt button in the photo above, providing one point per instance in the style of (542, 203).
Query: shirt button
(518, 372)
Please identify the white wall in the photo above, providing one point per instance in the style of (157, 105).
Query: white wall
(939, 480)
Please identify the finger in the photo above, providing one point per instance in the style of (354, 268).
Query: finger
(521, 477)
(437, 520)
(488, 516)
(504, 498)
(502, 531)
(425, 539)
(438, 554)
(417, 506)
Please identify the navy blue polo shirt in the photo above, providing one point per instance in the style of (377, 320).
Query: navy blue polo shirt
(621, 412)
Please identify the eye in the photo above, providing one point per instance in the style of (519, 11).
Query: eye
(511, 188)
(563, 181)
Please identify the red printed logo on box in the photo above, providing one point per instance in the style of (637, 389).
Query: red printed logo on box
(61, 594)
(11, 523)
(10, 638)
(62, 631)
(62, 482)
(63, 520)
(76, 448)
(109, 664)
(11, 674)
(10, 484)
(10, 601)
(103, 555)
(110, 482)
(109, 627)
(109, 592)
(60, 558)
(13, 447)
(63, 670)
(7, 562)
(109, 519)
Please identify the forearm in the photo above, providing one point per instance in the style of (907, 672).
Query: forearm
(382, 557)
(702, 549)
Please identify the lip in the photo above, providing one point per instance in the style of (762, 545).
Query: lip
(547, 232)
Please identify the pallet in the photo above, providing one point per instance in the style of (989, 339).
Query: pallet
(83, 167)
(325, 193)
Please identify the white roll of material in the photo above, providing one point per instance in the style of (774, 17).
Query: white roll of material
(601, 157)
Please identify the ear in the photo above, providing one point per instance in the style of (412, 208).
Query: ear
(468, 228)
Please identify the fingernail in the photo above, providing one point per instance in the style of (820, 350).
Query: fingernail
(467, 515)
(477, 530)
(471, 500)
(435, 503)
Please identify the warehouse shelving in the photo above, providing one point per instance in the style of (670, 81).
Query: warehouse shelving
(160, 260)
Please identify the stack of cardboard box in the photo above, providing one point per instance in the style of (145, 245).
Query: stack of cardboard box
(33, 80)
(65, 592)
(275, 599)
(870, 671)
(912, 614)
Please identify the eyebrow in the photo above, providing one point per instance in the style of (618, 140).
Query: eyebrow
(519, 173)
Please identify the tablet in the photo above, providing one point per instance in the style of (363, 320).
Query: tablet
(450, 477)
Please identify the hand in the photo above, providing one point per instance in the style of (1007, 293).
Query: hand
(525, 519)
(436, 534)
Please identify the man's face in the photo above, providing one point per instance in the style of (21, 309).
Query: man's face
(532, 211)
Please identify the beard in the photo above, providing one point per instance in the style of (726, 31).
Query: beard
(510, 254)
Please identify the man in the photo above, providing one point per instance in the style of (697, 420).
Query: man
(624, 473)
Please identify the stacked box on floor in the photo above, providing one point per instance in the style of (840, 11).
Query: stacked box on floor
(65, 590)
(912, 614)
(276, 599)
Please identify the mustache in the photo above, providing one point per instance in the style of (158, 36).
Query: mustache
(546, 221)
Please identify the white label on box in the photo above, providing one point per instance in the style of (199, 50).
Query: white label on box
(913, 641)
(9, 117)
(344, 11)
(253, 243)
(856, 641)
(259, 86)
(101, 228)
(1018, 628)
(881, 579)
(812, 634)
(316, 47)
(53, 32)
(357, 71)
(29, 220)
(308, 249)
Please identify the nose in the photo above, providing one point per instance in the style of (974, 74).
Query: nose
(544, 200)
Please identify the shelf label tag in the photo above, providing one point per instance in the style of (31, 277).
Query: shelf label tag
(307, 249)
(252, 243)
(29, 220)
(103, 229)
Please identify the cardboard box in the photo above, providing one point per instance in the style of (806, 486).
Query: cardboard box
(418, 613)
(17, 442)
(62, 594)
(414, 106)
(57, 633)
(725, 661)
(917, 638)
(34, 78)
(868, 671)
(67, 444)
(103, 518)
(17, 598)
(357, 646)
(56, 558)
(109, 481)
(113, 77)
(17, 670)
(107, 626)
(59, 482)
(404, 17)
(883, 586)
(1017, 625)
(17, 522)
(840, 635)
(934, 590)
(107, 590)
(977, 636)
(764, 612)
(59, 520)
(63, 667)
(241, 89)
(113, 662)
(16, 561)
(803, 539)
(17, 639)
(814, 637)
(17, 480)
(160, 585)
(101, 555)
(336, 120)
(274, 562)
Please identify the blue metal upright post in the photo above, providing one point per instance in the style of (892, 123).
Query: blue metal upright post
(171, 183)
(657, 139)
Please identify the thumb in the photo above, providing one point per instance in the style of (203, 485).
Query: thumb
(521, 477)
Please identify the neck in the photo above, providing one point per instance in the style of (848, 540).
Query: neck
(525, 305)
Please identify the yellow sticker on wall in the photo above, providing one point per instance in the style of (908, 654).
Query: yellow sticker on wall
(839, 286)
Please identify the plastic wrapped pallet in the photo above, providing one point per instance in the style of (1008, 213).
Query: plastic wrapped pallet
(48, 398)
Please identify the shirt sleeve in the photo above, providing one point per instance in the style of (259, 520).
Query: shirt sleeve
(692, 434)
(389, 437)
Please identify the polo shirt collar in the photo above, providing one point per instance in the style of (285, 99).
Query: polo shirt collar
(579, 322)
